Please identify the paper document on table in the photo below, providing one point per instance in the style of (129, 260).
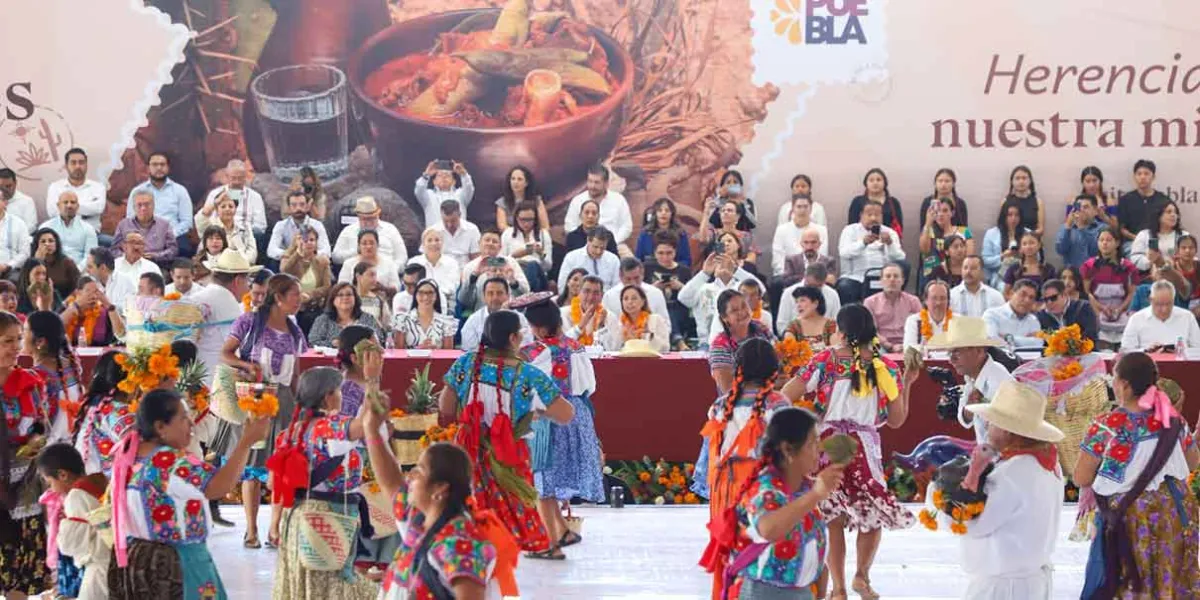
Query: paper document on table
(1029, 354)
(1193, 354)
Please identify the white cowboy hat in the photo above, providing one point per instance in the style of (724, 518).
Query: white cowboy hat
(230, 261)
(1018, 408)
(638, 349)
(963, 332)
(366, 206)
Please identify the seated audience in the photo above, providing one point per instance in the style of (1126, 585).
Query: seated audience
(811, 323)
(1073, 281)
(89, 193)
(614, 209)
(309, 268)
(1033, 265)
(584, 317)
(151, 285)
(944, 186)
(1162, 325)
(973, 297)
(1091, 181)
(752, 290)
(102, 267)
(212, 244)
(1109, 281)
(661, 218)
(519, 187)
(342, 309)
(802, 185)
(460, 238)
(9, 298)
(816, 277)
(875, 191)
(287, 229)
(939, 231)
(529, 243)
(403, 300)
(1141, 294)
(1000, 244)
(789, 235)
(892, 307)
(1156, 246)
(63, 271)
(734, 246)
(731, 189)
(443, 180)
(425, 325)
(1023, 192)
(437, 264)
(20, 203)
(14, 242)
(1189, 268)
(795, 265)
(78, 237)
(311, 185)
(589, 221)
(950, 270)
(251, 210)
(258, 289)
(1059, 311)
(574, 280)
(1077, 238)
(864, 246)
(1138, 209)
(669, 277)
(182, 280)
(236, 233)
(90, 319)
(489, 264)
(632, 273)
(635, 321)
(131, 264)
(373, 296)
(391, 244)
(35, 289)
(495, 297)
(714, 237)
(719, 273)
(933, 319)
(1015, 322)
(159, 245)
(387, 271)
(593, 258)
(171, 200)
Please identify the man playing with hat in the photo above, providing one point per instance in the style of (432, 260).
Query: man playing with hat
(967, 340)
(391, 244)
(1006, 550)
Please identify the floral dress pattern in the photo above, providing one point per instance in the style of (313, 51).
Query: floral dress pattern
(23, 540)
(317, 448)
(457, 550)
(790, 563)
(103, 426)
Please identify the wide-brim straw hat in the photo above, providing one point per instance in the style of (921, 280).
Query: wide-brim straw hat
(638, 349)
(1018, 408)
(366, 206)
(230, 261)
(963, 332)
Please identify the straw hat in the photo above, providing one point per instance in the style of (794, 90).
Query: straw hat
(230, 261)
(963, 332)
(366, 206)
(1018, 408)
(638, 349)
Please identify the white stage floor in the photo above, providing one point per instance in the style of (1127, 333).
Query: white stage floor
(651, 552)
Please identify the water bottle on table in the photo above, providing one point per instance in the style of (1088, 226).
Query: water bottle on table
(1180, 348)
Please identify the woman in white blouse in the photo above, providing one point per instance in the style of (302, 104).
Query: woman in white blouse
(441, 268)
(371, 294)
(1157, 247)
(424, 325)
(529, 243)
(236, 234)
(388, 272)
(636, 322)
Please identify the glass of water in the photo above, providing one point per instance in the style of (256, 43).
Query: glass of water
(302, 115)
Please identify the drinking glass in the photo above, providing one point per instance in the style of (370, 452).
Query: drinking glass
(302, 115)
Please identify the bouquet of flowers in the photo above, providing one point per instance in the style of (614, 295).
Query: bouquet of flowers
(793, 355)
(1067, 342)
(950, 500)
(258, 399)
(437, 433)
(145, 369)
(656, 482)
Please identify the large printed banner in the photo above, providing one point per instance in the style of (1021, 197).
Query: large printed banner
(667, 92)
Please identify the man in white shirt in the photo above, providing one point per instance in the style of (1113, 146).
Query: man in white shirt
(91, 194)
(1161, 324)
(589, 328)
(182, 281)
(632, 273)
(251, 210)
(815, 275)
(403, 300)
(441, 181)
(15, 242)
(298, 206)
(864, 246)
(937, 301)
(460, 237)
(102, 266)
(973, 297)
(489, 264)
(594, 259)
(495, 297)
(1015, 322)
(968, 342)
(221, 303)
(78, 238)
(19, 203)
(788, 235)
(614, 209)
(171, 201)
(391, 244)
(130, 267)
(700, 294)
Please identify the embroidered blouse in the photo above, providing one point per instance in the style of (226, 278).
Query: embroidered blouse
(1124, 441)
(457, 550)
(828, 375)
(165, 497)
(63, 397)
(276, 351)
(521, 389)
(721, 352)
(324, 439)
(1100, 273)
(792, 562)
(566, 361)
(103, 426)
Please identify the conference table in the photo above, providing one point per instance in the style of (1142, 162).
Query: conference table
(655, 407)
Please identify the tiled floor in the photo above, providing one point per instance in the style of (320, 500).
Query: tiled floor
(651, 552)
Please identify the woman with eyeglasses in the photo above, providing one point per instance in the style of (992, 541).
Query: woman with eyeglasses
(343, 309)
(425, 326)
(529, 243)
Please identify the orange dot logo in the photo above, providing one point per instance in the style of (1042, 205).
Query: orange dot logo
(788, 20)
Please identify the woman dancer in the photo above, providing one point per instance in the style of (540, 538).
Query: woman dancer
(572, 458)
(493, 376)
(858, 394)
(105, 417)
(55, 362)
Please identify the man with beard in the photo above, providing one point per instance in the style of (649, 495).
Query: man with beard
(614, 208)
(89, 193)
(19, 203)
(297, 205)
(171, 201)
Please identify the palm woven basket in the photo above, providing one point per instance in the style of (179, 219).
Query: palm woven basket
(1079, 410)
(406, 439)
(180, 317)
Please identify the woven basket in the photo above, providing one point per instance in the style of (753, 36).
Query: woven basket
(574, 523)
(181, 317)
(406, 441)
(1079, 410)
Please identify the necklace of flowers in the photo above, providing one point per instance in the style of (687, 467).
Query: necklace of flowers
(577, 318)
(639, 325)
(927, 324)
(246, 303)
(90, 316)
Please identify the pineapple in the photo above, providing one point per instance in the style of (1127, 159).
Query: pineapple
(191, 378)
(422, 393)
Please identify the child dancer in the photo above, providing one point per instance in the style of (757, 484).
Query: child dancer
(73, 544)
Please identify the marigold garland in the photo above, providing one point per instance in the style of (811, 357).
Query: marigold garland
(1067, 341)
(793, 355)
(173, 296)
(639, 326)
(90, 316)
(246, 302)
(927, 323)
(577, 318)
(258, 406)
(958, 512)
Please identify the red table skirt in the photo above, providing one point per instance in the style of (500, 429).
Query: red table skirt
(656, 407)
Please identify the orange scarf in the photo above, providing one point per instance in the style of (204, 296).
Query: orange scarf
(587, 339)
(639, 326)
(927, 324)
(90, 317)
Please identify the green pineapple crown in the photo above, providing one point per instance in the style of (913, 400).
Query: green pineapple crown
(191, 377)
(421, 393)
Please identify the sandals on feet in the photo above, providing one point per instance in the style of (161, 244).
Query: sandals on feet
(862, 587)
(553, 553)
(272, 541)
(251, 542)
(569, 538)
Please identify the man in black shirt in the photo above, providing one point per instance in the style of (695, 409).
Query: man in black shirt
(1060, 311)
(669, 276)
(1136, 209)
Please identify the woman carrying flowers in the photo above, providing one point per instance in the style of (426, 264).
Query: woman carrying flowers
(1136, 459)
(857, 394)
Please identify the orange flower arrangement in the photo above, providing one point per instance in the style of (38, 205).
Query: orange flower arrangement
(656, 482)
(927, 324)
(958, 512)
(246, 302)
(266, 405)
(1068, 341)
(173, 296)
(1066, 369)
(639, 325)
(793, 355)
(397, 413)
(438, 433)
(200, 400)
(577, 318)
(145, 369)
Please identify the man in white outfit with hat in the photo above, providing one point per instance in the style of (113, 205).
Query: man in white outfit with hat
(1006, 550)
(967, 340)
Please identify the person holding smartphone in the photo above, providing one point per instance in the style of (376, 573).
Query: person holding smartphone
(1001, 244)
(529, 243)
(864, 246)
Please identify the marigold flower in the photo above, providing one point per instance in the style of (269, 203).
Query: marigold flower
(958, 529)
